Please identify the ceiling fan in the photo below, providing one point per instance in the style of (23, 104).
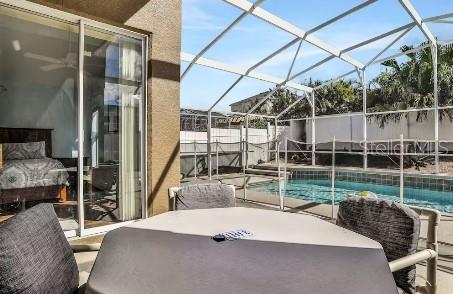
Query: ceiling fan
(69, 61)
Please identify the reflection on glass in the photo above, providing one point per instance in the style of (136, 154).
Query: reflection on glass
(113, 92)
(38, 115)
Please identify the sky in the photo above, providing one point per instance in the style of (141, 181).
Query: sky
(253, 39)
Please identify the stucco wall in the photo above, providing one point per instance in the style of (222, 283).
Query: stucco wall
(162, 18)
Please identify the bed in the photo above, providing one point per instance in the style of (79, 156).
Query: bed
(29, 173)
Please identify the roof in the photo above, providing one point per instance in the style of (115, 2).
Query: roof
(251, 98)
(195, 112)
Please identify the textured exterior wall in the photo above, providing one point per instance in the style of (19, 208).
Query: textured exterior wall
(162, 20)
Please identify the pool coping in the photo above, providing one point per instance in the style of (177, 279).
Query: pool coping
(369, 170)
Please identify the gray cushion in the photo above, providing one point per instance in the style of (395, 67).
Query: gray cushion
(395, 226)
(35, 256)
(204, 195)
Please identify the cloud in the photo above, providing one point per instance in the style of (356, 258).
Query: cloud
(308, 52)
(195, 14)
(205, 15)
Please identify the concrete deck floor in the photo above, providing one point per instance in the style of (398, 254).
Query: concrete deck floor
(445, 262)
(267, 201)
(85, 260)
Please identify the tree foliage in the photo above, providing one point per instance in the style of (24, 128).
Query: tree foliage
(285, 97)
(410, 85)
(403, 85)
(341, 96)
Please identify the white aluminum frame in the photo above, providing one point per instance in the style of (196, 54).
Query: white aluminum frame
(217, 38)
(253, 9)
(418, 20)
(80, 130)
(425, 30)
(240, 71)
(294, 30)
(250, 8)
(144, 125)
(82, 22)
(144, 40)
(364, 119)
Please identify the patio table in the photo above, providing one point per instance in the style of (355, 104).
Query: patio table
(173, 253)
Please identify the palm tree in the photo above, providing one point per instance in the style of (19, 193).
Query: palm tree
(343, 96)
(402, 86)
(410, 85)
(284, 97)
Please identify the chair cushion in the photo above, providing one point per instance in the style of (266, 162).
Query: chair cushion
(35, 256)
(204, 195)
(395, 226)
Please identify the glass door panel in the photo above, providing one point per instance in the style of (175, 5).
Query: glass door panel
(112, 146)
(38, 114)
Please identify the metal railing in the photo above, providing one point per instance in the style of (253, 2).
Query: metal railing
(389, 148)
(285, 149)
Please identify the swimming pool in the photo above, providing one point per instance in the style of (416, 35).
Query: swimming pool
(319, 191)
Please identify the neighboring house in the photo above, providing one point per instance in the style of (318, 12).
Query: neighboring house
(97, 135)
(197, 120)
(246, 104)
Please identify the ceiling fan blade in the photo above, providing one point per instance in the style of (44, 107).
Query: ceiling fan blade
(42, 58)
(51, 67)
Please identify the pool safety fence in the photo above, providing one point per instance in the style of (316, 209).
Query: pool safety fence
(226, 157)
(395, 150)
(263, 149)
(237, 156)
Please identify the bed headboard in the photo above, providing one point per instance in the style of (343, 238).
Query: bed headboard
(24, 135)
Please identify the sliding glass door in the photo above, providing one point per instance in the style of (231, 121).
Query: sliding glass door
(71, 118)
(38, 115)
(112, 98)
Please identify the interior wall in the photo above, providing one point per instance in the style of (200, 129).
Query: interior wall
(34, 98)
(50, 108)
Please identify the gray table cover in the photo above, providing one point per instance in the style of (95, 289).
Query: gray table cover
(134, 260)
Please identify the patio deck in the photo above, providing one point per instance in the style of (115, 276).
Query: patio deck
(268, 201)
(445, 262)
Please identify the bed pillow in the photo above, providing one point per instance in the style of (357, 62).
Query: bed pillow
(30, 150)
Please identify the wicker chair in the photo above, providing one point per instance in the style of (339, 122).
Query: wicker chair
(202, 195)
(397, 228)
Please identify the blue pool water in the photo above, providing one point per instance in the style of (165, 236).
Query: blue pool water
(320, 191)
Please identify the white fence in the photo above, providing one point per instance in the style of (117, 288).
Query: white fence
(350, 128)
(231, 135)
(227, 148)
